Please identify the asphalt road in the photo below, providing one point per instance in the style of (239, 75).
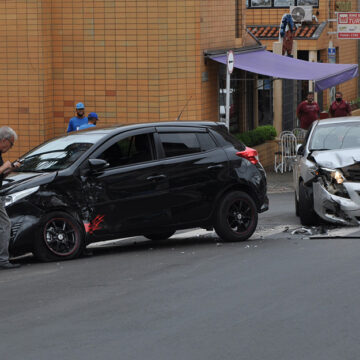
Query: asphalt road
(277, 296)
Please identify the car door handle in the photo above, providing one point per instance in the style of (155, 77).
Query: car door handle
(156, 177)
(219, 166)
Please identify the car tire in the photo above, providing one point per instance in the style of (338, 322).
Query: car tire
(60, 237)
(307, 214)
(296, 205)
(160, 236)
(236, 217)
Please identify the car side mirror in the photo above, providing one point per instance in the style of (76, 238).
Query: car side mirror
(300, 150)
(97, 164)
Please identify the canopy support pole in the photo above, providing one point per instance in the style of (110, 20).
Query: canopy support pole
(277, 94)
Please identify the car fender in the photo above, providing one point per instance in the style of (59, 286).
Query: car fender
(249, 179)
(305, 173)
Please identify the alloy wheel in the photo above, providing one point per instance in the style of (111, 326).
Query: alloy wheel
(239, 216)
(61, 236)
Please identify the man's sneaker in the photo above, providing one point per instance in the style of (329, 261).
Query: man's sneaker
(9, 265)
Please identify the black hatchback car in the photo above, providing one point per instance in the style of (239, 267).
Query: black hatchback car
(144, 179)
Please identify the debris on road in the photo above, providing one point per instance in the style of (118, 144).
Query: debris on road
(302, 230)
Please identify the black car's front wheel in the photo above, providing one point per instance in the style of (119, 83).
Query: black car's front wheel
(236, 217)
(60, 237)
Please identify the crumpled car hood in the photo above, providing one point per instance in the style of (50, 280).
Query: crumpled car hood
(20, 181)
(335, 159)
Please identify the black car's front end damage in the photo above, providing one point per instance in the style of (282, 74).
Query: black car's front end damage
(23, 231)
(336, 186)
(29, 197)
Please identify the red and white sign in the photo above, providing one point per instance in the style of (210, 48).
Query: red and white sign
(348, 25)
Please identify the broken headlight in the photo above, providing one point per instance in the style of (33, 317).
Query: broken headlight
(333, 181)
(14, 197)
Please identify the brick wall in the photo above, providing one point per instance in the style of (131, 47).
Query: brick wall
(266, 153)
(129, 61)
(24, 71)
(218, 31)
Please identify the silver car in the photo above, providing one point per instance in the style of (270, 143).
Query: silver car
(327, 173)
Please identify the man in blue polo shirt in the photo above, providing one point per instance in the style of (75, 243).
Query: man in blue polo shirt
(78, 120)
(92, 120)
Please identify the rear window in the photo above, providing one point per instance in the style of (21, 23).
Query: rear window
(206, 141)
(176, 144)
(227, 139)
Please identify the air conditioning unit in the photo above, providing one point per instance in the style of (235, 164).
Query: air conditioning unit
(301, 13)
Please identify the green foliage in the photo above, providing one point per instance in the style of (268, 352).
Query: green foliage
(355, 102)
(257, 136)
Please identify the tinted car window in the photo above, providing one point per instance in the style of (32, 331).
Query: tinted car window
(57, 154)
(226, 139)
(176, 144)
(131, 150)
(206, 141)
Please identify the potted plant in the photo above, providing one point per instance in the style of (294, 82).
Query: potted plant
(355, 104)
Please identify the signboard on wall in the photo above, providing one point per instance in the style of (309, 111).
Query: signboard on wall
(332, 55)
(348, 25)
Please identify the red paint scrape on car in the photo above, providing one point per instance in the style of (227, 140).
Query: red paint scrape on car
(94, 224)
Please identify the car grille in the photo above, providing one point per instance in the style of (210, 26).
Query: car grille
(352, 172)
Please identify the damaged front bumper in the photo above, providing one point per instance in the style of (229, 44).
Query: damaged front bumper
(338, 209)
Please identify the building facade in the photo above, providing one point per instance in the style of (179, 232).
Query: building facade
(129, 61)
(312, 40)
(133, 61)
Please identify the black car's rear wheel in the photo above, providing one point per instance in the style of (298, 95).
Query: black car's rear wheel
(60, 237)
(160, 236)
(236, 217)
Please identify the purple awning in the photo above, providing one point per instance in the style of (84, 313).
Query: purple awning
(283, 67)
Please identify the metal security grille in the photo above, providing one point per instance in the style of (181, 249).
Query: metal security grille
(288, 105)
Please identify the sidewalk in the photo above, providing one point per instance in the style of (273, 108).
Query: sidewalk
(278, 182)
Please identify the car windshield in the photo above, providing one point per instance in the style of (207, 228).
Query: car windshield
(335, 136)
(57, 154)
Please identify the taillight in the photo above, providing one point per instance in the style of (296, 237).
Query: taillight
(249, 154)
